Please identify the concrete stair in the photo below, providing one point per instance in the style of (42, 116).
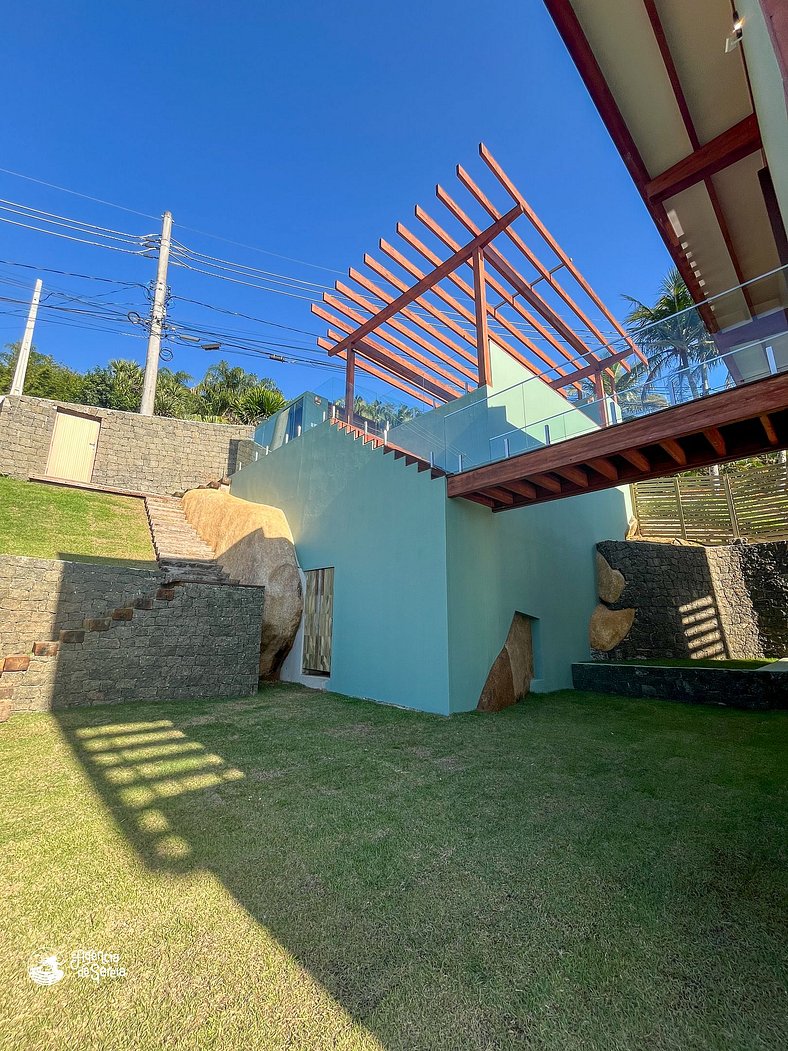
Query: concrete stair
(180, 551)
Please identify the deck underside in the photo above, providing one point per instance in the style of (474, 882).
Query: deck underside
(743, 421)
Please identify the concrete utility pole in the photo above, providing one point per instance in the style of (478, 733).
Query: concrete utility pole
(18, 382)
(158, 313)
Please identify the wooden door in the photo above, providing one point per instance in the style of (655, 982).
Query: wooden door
(318, 621)
(73, 448)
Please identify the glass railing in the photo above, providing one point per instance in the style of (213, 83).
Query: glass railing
(730, 340)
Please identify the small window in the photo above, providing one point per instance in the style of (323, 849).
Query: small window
(318, 621)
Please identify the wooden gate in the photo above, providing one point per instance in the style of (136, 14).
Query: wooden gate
(73, 448)
(318, 621)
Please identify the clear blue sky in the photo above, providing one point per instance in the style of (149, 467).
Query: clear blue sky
(304, 129)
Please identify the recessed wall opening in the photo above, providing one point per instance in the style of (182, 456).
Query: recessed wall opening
(318, 621)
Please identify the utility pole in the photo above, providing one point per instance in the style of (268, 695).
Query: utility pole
(158, 313)
(18, 382)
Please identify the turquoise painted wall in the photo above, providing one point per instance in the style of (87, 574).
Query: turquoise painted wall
(535, 560)
(517, 406)
(425, 588)
(382, 526)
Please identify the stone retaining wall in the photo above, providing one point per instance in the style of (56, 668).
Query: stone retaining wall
(151, 454)
(722, 687)
(724, 601)
(144, 643)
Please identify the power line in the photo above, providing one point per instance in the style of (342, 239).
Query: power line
(55, 233)
(76, 193)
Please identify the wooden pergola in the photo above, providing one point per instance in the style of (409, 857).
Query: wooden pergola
(422, 324)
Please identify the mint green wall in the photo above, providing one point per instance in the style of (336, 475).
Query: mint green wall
(535, 560)
(382, 526)
(425, 587)
(516, 405)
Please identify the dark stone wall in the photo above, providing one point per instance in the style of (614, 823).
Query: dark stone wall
(147, 454)
(725, 601)
(723, 687)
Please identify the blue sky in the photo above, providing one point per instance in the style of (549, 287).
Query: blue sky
(305, 130)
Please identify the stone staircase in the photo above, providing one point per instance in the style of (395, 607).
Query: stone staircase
(18, 670)
(182, 555)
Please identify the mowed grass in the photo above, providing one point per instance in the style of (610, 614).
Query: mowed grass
(303, 871)
(47, 521)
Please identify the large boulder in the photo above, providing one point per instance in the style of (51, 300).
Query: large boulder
(254, 545)
(609, 582)
(512, 670)
(608, 627)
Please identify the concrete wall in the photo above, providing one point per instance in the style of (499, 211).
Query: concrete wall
(426, 588)
(152, 454)
(723, 601)
(381, 525)
(191, 641)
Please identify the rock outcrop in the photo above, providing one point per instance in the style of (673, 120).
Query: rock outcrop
(609, 626)
(254, 545)
(510, 676)
(609, 582)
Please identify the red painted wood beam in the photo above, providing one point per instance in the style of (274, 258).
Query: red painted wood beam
(731, 146)
(463, 255)
(482, 336)
(381, 374)
(378, 355)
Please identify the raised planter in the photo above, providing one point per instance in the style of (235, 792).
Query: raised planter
(724, 687)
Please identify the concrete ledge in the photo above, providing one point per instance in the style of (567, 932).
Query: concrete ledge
(722, 687)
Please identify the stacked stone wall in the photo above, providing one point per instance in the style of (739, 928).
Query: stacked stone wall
(726, 601)
(117, 635)
(148, 454)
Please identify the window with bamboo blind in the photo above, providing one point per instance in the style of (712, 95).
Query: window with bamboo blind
(318, 621)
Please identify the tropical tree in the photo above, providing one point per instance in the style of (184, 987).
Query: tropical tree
(45, 377)
(628, 388)
(258, 403)
(673, 336)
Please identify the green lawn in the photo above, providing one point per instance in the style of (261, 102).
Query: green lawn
(303, 871)
(47, 521)
(689, 662)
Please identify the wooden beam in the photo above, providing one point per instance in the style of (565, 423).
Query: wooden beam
(508, 297)
(636, 458)
(422, 301)
(576, 475)
(674, 451)
(350, 380)
(449, 300)
(731, 146)
(522, 489)
(604, 467)
(379, 355)
(552, 485)
(538, 265)
(768, 428)
(715, 439)
(737, 405)
(346, 328)
(571, 31)
(590, 370)
(449, 265)
(517, 281)
(381, 374)
(502, 496)
(480, 301)
(499, 288)
(414, 318)
(554, 246)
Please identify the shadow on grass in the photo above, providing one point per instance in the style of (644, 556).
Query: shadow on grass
(575, 872)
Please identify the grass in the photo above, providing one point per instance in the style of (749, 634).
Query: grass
(47, 521)
(304, 871)
(689, 662)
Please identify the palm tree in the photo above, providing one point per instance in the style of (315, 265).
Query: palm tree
(221, 386)
(258, 403)
(672, 335)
